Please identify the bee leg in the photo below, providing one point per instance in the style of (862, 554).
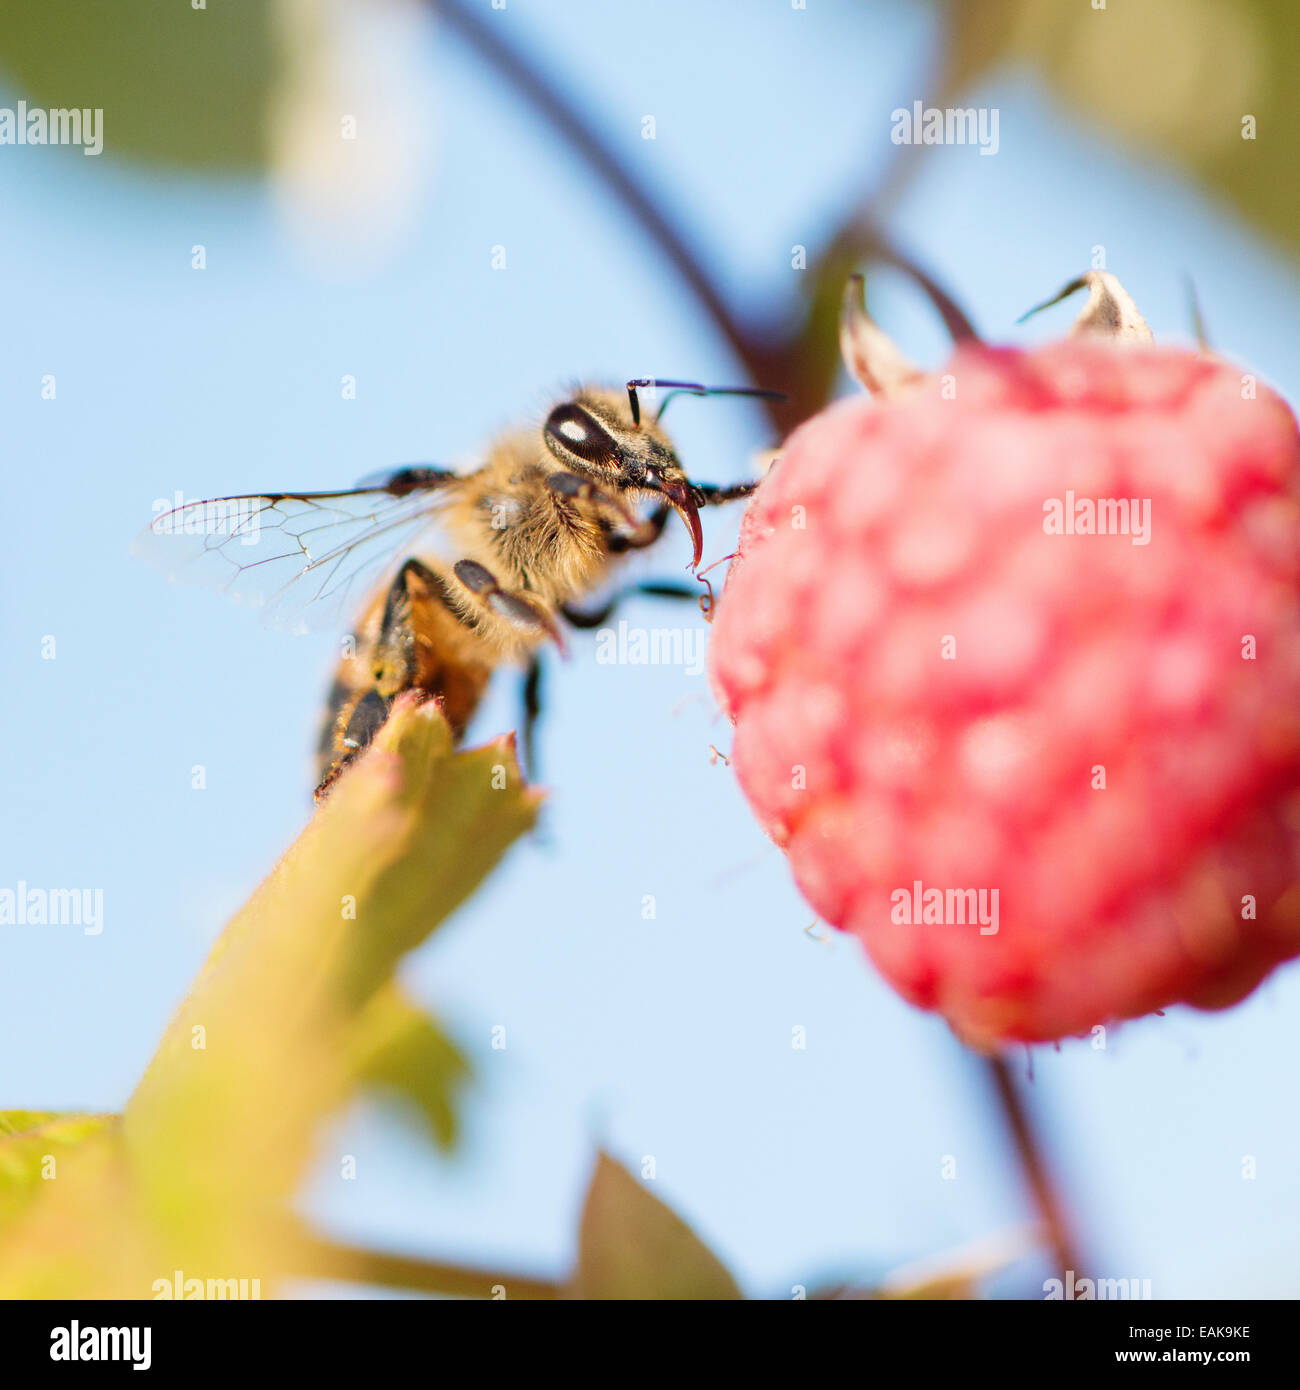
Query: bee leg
(652, 588)
(359, 719)
(646, 533)
(712, 495)
(637, 532)
(532, 696)
(393, 660)
(393, 666)
(514, 608)
(575, 617)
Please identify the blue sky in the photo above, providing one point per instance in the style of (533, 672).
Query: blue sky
(668, 1037)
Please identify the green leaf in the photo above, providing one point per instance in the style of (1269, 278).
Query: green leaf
(178, 85)
(33, 1144)
(397, 1047)
(221, 1129)
(1162, 75)
(631, 1246)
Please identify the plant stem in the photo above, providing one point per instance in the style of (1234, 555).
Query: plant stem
(788, 359)
(1034, 1167)
(327, 1259)
(481, 32)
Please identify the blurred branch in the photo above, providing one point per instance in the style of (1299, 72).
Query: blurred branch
(482, 33)
(1060, 1241)
(326, 1259)
(803, 361)
(858, 240)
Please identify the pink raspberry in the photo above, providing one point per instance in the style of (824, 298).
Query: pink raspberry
(934, 688)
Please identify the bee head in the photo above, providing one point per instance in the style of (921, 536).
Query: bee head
(594, 435)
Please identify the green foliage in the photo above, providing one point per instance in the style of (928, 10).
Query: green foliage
(398, 1048)
(632, 1246)
(32, 1143)
(1174, 78)
(294, 1010)
(176, 85)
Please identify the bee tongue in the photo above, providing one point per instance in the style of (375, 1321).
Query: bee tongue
(683, 503)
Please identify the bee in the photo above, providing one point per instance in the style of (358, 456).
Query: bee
(532, 531)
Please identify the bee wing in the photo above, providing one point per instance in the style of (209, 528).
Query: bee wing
(303, 557)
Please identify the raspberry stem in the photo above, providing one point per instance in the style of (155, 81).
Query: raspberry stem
(1033, 1167)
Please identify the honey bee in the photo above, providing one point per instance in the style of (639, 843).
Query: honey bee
(533, 530)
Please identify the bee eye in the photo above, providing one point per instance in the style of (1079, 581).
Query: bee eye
(581, 434)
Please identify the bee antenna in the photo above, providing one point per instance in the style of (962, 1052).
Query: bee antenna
(690, 388)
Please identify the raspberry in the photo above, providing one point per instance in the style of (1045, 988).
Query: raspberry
(941, 679)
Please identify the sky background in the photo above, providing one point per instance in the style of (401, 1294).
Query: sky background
(668, 1037)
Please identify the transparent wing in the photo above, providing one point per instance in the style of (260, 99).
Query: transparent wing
(302, 557)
